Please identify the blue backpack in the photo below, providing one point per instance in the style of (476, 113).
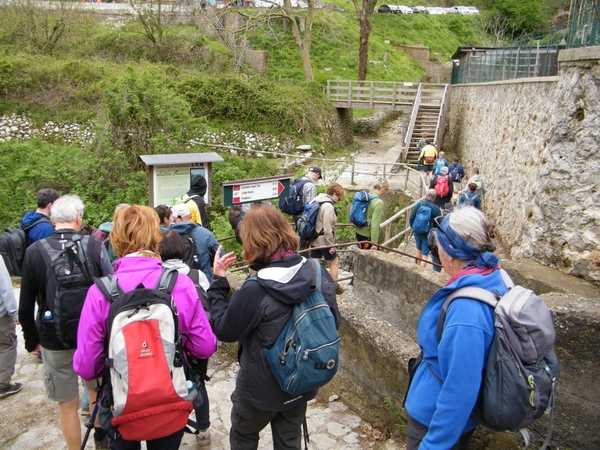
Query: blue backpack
(437, 167)
(293, 204)
(422, 222)
(358, 212)
(306, 224)
(306, 353)
(469, 199)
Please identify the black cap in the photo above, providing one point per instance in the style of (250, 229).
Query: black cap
(316, 169)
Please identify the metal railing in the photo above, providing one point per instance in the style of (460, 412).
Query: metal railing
(411, 125)
(441, 124)
(386, 226)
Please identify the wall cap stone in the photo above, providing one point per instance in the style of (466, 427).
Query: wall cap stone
(579, 54)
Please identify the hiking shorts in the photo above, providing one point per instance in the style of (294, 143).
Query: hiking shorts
(360, 238)
(421, 242)
(324, 253)
(60, 380)
(427, 168)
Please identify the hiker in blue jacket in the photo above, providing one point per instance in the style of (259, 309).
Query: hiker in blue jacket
(445, 387)
(204, 240)
(421, 236)
(44, 228)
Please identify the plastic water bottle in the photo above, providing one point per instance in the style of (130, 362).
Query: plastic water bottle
(190, 385)
(47, 316)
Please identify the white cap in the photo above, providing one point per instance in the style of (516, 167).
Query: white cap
(180, 210)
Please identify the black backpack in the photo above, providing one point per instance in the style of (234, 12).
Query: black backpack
(190, 258)
(13, 243)
(66, 288)
(293, 204)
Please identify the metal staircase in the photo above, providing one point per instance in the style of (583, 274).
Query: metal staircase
(428, 116)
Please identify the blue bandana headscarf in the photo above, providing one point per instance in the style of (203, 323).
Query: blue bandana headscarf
(458, 248)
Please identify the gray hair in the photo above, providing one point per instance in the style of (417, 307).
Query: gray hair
(67, 208)
(473, 226)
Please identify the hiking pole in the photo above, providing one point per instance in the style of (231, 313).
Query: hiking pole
(72, 249)
(88, 275)
(90, 424)
(305, 434)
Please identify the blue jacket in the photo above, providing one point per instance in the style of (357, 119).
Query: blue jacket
(204, 241)
(435, 212)
(446, 385)
(42, 230)
(470, 195)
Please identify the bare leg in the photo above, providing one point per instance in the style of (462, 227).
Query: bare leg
(334, 268)
(69, 423)
(419, 254)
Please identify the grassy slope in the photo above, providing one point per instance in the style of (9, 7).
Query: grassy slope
(335, 45)
(93, 61)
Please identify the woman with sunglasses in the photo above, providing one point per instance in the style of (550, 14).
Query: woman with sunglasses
(446, 384)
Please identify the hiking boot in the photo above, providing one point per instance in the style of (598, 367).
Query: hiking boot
(338, 289)
(203, 439)
(10, 389)
(103, 443)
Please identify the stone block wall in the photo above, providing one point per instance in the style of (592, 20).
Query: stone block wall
(536, 144)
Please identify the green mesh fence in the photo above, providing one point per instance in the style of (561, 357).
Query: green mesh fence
(507, 63)
(583, 28)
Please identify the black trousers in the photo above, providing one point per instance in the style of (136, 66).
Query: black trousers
(247, 422)
(415, 432)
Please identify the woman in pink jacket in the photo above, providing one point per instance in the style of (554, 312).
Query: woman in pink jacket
(135, 237)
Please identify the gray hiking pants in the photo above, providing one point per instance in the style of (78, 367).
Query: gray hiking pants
(8, 349)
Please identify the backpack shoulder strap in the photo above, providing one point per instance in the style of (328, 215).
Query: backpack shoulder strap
(31, 225)
(109, 287)
(316, 275)
(46, 250)
(472, 292)
(194, 276)
(167, 280)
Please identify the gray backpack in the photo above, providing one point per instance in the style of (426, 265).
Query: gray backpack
(519, 381)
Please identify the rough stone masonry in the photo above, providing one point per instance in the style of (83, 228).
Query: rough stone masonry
(536, 144)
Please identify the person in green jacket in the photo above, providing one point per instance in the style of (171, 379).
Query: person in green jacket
(370, 232)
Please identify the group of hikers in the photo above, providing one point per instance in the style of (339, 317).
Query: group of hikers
(138, 312)
(447, 179)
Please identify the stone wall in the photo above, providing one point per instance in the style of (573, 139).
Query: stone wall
(378, 338)
(437, 71)
(536, 144)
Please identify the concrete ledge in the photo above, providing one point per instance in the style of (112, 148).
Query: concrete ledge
(579, 54)
(543, 279)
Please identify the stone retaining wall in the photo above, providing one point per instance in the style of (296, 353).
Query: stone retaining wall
(536, 143)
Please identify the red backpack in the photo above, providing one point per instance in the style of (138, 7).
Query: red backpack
(442, 187)
(147, 389)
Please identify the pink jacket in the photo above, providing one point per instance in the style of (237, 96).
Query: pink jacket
(198, 338)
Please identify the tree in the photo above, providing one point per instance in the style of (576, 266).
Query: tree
(301, 27)
(41, 24)
(365, 31)
(154, 17)
(520, 15)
